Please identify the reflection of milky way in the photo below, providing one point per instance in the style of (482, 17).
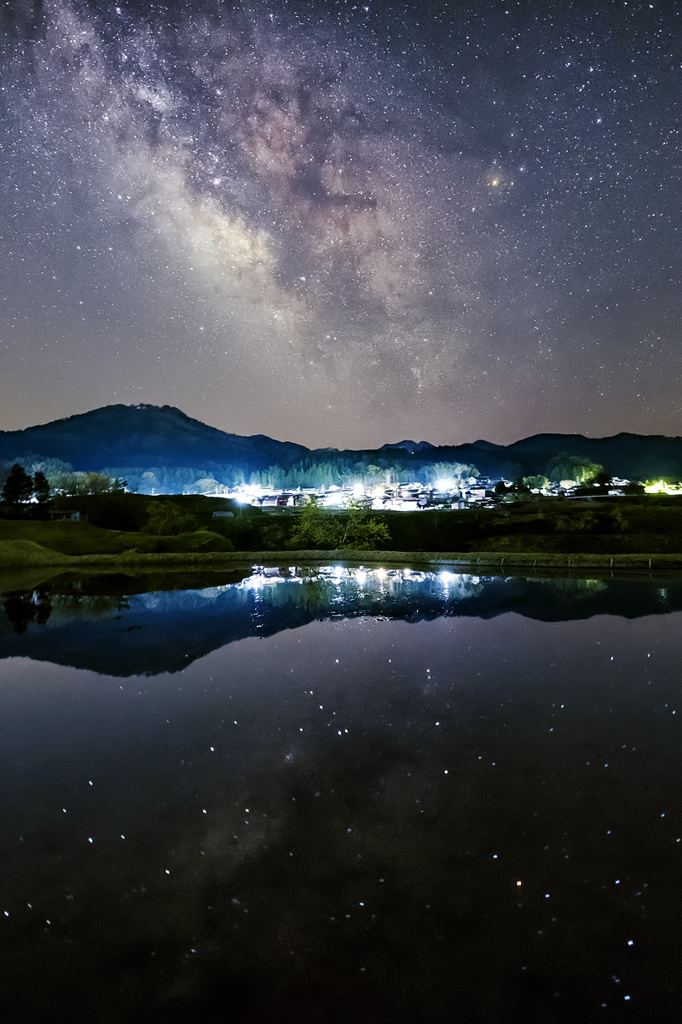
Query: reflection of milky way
(280, 221)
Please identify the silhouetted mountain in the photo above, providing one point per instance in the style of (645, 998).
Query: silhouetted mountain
(626, 455)
(147, 436)
(408, 446)
(144, 435)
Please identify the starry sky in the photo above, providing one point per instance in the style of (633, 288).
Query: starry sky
(344, 223)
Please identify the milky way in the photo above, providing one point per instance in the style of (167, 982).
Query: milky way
(343, 224)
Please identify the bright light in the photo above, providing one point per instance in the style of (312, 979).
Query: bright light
(358, 490)
(445, 485)
(656, 488)
(254, 583)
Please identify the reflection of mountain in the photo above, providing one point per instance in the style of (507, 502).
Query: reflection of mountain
(111, 625)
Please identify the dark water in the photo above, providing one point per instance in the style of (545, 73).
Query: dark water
(340, 796)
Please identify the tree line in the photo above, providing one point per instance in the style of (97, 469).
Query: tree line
(201, 479)
(368, 469)
(50, 478)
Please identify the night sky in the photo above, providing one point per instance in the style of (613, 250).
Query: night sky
(344, 224)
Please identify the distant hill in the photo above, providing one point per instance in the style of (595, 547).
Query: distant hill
(409, 446)
(147, 437)
(144, 436)
(626, 455)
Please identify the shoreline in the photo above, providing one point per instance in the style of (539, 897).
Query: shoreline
(27, 554)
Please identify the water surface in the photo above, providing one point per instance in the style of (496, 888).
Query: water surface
(343, 795)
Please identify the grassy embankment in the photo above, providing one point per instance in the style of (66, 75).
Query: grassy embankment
(644, 531)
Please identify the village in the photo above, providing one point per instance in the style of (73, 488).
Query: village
(474, 491)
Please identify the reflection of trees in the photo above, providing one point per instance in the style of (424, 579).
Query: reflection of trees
(311, 595)
(359, 591)
(23, 609)
(36, 607)
(574, 587)
(73, 606)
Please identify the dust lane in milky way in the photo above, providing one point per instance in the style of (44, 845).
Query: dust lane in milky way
(343, 224)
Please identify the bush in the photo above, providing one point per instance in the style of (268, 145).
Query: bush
(317, 528)
(165, 519)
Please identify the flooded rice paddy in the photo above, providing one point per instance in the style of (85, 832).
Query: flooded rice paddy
(340, 794)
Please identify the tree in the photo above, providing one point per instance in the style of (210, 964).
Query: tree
(362, 530)
(166, 518)
(41, 488)
(18, 486)
(536, 482)
(453, 472)
(572, 467)
(315, 528)
(97, 483)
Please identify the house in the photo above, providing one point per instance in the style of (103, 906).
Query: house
(287, 499)
(59, 517)
(406, 504)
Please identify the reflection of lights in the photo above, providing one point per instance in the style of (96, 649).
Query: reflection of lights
(254, 583)
(349, 583)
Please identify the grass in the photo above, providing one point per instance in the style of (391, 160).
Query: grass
(540, 531)
(78, 538)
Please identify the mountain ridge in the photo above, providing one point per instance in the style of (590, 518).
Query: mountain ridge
(147, 436)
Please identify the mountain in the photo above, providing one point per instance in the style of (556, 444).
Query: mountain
(409, 446)
(148, 437)
(144, 436)
(626, 455)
